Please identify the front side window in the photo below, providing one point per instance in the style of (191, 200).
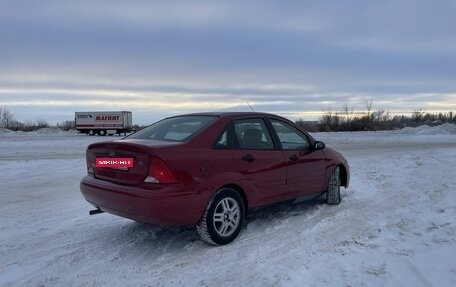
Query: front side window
(252, 134)
(290, 137)
(177, 129)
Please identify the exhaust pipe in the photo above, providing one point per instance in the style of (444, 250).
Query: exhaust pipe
(96, 211)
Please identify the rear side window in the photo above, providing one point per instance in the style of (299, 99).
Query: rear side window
(177, 129)
(252, 134)
(222, 141)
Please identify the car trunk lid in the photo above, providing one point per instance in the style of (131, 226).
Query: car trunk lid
(140, 151)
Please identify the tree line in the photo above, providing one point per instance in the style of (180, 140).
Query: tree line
(8, 121)
(347, 119)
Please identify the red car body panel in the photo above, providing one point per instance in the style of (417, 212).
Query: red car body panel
(308, 171)
(265, 178)
(201, 170)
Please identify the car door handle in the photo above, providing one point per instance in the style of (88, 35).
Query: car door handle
(294, 158)
(248, 158)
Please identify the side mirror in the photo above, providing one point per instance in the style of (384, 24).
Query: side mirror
(319, 145)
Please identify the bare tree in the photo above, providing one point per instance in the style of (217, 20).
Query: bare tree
(41, 123)
(347, 112)
(377, 116)
(66, 125)
(387, 116)
(369, 108)
(418, 114)
(330, 119)
(6, 118)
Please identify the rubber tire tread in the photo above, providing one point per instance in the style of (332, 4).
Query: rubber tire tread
(333, 192)
(202, 226)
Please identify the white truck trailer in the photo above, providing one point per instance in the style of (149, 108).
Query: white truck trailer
(103, 123)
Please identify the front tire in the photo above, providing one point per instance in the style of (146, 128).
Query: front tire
(333, 192)
(223, 218)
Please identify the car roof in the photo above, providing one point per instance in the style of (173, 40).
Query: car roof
(230, 114)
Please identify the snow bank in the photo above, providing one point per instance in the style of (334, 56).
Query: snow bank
(53, 131)
(445, 129)
(49, 131)
(4, 131)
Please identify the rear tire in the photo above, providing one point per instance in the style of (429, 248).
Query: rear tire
(91, 133)
(223, 218)
(102, 132)
(333, 192)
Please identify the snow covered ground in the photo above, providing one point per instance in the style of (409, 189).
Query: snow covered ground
(396, 225)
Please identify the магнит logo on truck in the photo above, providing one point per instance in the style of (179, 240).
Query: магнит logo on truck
(107, 118)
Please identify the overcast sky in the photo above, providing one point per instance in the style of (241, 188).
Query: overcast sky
(160, 58)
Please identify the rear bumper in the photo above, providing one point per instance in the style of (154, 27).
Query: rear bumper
(170, 204)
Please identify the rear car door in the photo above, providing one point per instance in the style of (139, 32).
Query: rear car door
(305, 167)
(258, 160)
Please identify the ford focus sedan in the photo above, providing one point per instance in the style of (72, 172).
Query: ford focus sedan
(209, 169)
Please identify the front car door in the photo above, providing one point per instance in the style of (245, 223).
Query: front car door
(305, 166)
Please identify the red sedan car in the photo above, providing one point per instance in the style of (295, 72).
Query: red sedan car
(209, 169)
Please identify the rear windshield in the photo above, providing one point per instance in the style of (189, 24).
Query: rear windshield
(177, 129)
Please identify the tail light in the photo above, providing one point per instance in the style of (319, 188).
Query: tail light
(159, 172)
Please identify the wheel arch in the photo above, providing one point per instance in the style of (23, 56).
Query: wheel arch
(343, 175)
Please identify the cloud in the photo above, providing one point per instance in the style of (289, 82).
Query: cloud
(148, 103)
(295, 58)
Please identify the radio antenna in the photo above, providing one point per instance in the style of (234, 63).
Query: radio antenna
(250, 107)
